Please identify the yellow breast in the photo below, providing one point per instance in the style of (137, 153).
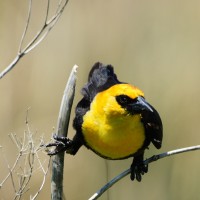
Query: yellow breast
(109, 130)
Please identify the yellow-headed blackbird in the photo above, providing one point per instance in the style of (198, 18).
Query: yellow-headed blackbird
(114, 120)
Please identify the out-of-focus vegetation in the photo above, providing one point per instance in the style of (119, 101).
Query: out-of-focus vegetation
(152, 44)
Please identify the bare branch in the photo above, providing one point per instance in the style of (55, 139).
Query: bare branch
(10, 66)
(48, 25)
(47, 12)
(10, 170)
(147, 161)
(62, 128)
(26, 27)
(43, 181)
(39, 37)
(28, 159)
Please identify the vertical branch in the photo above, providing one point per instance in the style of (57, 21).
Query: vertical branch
(62, 128)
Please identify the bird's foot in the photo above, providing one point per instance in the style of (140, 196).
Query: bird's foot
(61, 144)
(137, 170)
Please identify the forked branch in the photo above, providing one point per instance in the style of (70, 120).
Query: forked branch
(39, 37)
(20, 173)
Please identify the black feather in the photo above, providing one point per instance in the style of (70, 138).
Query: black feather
(100, 78)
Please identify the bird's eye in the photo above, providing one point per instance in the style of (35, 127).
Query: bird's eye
(124, 100)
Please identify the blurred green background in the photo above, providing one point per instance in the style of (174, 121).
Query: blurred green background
(154, 45)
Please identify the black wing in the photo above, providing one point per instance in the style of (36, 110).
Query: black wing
(153, 127)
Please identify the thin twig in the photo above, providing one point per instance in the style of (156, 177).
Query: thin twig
(39, 37)
(10, 170)
(147, 161)
(43, 181)
(47, 12)
(10, 173)
(29, 163)
(45, 29)
(62, 128)
(26, 27)
(11, 65)
(21, 172)
(15, 141)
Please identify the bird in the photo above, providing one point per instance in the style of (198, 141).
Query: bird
(114, 120)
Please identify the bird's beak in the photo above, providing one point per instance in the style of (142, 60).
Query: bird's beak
(141, 106)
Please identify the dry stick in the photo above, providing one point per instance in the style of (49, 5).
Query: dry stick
(10, 169)
(38, 38)
(43, 182)
(62, 128)
(147, 161)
